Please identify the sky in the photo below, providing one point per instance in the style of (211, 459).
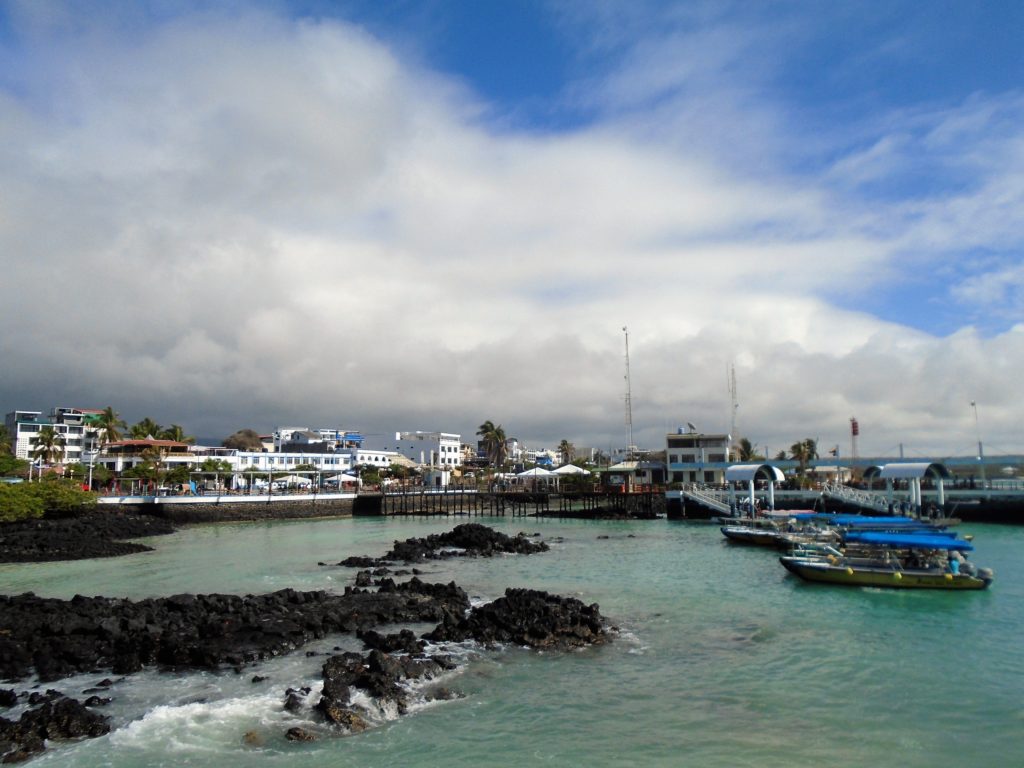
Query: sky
(422, 215)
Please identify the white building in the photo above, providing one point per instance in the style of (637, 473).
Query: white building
(285, 462)
(381, 459)
(332, 438)
(74, 425)
(688, 455)
(429, 449)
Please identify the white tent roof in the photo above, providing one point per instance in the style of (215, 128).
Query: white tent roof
(571, 469)
(746, 472)
(535, 472)
(344, 478)
(909, 470)
(293, 480)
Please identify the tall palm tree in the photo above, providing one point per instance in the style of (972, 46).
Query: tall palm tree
(745, 450)
(153, 457)
(5, 441)
(486, 434)
(803, 453)
(500, 446)
(145, 428)
(495, 442)
(109, 424)
(177, 434)
(568, 451)
(49, 446)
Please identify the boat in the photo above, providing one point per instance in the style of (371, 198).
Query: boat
(891, 560)
(779, 535)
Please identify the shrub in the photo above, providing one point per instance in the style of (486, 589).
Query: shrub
(60, 498)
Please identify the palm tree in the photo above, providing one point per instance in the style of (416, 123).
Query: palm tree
(494, 440)
(5, 441)
(49, 446)
(153, 456)
(177, 434)
(745, 450)
(147, 428)
(109, 424)
(803, 453)
(568, 451)
(486, 434)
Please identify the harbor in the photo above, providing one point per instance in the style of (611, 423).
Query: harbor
(710, 636)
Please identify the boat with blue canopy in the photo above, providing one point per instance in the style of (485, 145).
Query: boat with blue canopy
(894, 560)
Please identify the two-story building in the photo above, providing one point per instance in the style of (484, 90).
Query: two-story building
(428, 449)
(695, 457)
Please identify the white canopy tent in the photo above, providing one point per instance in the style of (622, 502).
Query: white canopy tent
(535, 472)
(342, 478)
(536, 476)
(293, 480)
(571, 469)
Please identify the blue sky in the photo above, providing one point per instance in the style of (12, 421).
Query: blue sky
(825, 193)
(835, 72)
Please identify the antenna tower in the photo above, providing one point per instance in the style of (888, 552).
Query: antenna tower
(629, 401)
(733, 401)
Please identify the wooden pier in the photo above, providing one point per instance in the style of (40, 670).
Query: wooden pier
(455, 502)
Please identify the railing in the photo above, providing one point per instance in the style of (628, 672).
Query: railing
(712, 498)
(866, 499)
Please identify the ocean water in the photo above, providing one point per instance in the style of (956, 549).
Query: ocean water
(722, 658)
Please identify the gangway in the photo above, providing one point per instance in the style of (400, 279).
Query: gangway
(711, 498)
(873, 500)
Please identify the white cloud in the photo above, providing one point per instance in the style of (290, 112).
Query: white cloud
(251, 221)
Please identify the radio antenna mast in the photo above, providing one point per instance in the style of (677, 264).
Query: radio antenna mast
(733, 400)
(629, 401)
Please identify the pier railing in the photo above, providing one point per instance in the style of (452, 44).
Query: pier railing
(713, 498)
(858, 497)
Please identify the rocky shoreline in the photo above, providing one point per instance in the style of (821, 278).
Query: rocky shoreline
(53, 639)
(97, 533)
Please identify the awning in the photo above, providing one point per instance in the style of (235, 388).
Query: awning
(910, 541)
(744, 473)
(911, 470)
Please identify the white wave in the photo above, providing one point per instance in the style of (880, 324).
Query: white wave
(206, 727)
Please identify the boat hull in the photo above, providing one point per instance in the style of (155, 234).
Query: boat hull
(861, 576)
(761, 537)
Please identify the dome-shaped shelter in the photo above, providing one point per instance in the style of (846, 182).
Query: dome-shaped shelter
(750, 474)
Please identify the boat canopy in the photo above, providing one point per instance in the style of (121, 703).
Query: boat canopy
(911, 470)
(854, 520)
(910, 540)
(746, 472)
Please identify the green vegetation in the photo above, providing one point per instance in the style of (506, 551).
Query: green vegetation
(568, 451)
(176, 433)
(49, 446)
(244, 440)
(109, 424)
(803, 453)
(12, 467)
(216, 466)
(494, 440)
(369, 474)
(745, 451)
(24, 501)
(147, 428)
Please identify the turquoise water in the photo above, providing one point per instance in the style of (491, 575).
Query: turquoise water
(723, 658)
